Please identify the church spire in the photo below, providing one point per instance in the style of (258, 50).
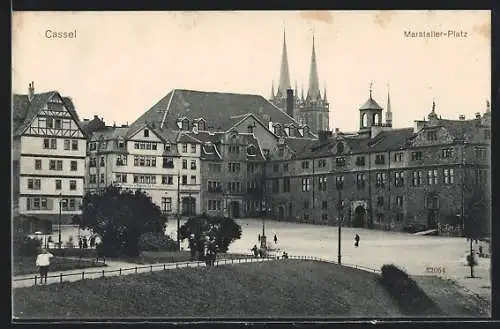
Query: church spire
(313, 92)
(388, 114)
(272, 91)
(325, 99)
(284, 84)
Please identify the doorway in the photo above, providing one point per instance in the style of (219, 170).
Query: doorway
(235, 209)
(359, 217)
(281, 213)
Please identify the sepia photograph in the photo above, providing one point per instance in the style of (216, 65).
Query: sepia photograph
(251, 165)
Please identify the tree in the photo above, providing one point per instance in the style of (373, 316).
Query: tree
(119, 217)
(203, 228)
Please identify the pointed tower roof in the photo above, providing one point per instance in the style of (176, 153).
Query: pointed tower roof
(272, 91)
(325, 99)
(284, 84)
(370, 104)
(388, 100)
(302, 93)
(313, 92)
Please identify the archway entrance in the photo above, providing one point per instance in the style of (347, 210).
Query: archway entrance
(235, 209)
(281, 213)
(359, 217)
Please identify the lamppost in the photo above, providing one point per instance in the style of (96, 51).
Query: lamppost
(339, 185)
(59, 224)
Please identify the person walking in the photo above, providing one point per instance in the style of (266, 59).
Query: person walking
(85, 243)
(258, 239)
(356, 241)
(80, 243)
(92, 242)
(43, 263)
(275, 239)
(255, 251)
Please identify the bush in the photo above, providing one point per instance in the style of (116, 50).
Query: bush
(24, 246)
(411, 299)
(156, 242)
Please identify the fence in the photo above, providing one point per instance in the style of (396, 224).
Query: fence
(164, 266)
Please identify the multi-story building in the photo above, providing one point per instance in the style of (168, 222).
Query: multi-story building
(49, 148)
(312, 110)
(386, 178)
(164, 164)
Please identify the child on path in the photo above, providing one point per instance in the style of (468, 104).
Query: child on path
(356, 241)
(43, 263)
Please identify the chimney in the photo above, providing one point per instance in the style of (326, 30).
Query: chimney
(337, 130)
(96, 117)
(289, 102)
(270, 125)
(478, 115)
(461, 117)
(31, 90)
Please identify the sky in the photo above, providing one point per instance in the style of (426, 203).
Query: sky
(122, 63)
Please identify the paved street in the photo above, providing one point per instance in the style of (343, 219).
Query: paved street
(413, 253)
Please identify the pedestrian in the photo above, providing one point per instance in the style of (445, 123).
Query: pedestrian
(356, 240)
(85, 243)
(92, 242)
(255, 251)
(258, 239)
(43, 263)
(275, 239)
(80, 243)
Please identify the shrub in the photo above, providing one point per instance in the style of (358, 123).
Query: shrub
(24, 246)
(156, 242)
(411, 299)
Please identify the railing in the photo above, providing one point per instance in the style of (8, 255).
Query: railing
(156, 267)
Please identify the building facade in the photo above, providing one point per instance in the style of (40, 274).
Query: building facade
(49, 147)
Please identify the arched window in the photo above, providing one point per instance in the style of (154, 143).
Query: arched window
(374, 119)
(201, 124)
(364, 120)
(340, 148)
(185, 124)
(251, 150)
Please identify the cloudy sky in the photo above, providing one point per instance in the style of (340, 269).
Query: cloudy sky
(121, 63)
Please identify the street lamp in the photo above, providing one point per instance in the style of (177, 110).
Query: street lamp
(339, 185)
(59, 224)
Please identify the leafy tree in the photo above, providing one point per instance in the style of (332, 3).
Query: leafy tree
(120, 217)
(201, 229)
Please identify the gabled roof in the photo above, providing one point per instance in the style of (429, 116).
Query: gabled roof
(370, 104)
(460, 129)
(220, 110)
(133, 131)
(110, 133)
(23, 111)
(390, 140)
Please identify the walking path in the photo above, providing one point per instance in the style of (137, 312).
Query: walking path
(116, 268)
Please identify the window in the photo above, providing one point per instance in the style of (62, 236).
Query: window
(59, 184)
(324, 204)
(432, 202)
(193, 180)
(193, 148)
(216, 167)
(59, 165)
(379, 218)
(184, 148)
(399, 201)
(166, 203)
(250, 167)
(50, 123)
(276, 186)
(281, 151)
(398, 178)
(340, 148)
(121, 160)
(432, 177)
(324, 217)
(184, 179)
(276, 167)
(416, 156)
(234, 166)
(381, 177)
(285, 167)
(167, 147)
(53, 144)
(34, 184)
(72, 185)
(92, 146)
(432, 135)
(448, 176)
(306, 204)
(46, 143)
(481, 153)
(184, 164)
(286, 185)
(340, 161)
(92, 162)
(102, 178)
(417, 179)
(74, 165)
(74, 145)
(398, 157)
(214, 204)
(305, 164)
(339, 182)
(481, 176)
(360, 161)
(168, 162)
(57, 124)
(322, 183)
(145, 179)
(146, 133)
(67, 144)
(38, 164)
(121, 178)
(379, 159)
(101, 162)
(380, 200)
(487, 134)
(92, 180)
(121, 144)
(321, 163)
(305, 184)
(167, 179)
(360, 181)
(447, 153)
(193, 164)
(52, 164)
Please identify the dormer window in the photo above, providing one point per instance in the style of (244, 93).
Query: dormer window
(432, 135)
(146, 132)
(250, 129)
(340, 148)
(167, 147)
(251, 150)
(185, 124)
(121, 144)
(201, 124)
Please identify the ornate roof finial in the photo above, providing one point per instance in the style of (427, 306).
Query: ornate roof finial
(371, 89)
(433, 106)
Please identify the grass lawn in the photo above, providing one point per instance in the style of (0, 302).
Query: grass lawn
(153, 257)
(26, 264)
(271, 289)
(450, 297)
